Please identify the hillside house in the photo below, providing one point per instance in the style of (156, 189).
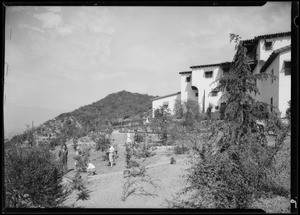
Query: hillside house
(167, 102)
(269, 53)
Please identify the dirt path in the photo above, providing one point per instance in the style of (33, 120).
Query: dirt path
(106, 185)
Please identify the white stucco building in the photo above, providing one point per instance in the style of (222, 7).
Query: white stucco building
(167, 102)
(272, 55)
(198, 84)
(269, 53)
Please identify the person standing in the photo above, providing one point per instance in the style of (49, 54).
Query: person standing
(115, 145)
(63, 156)
(128, 141)
(111, 152)
(78, 156)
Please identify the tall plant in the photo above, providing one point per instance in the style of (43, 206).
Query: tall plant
(161, 123)
(33, 177)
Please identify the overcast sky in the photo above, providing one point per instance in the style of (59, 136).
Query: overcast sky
(67, 57)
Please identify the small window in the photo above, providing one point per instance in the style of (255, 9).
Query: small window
(272, 73)
(196, 94)
(188, 79)
(287, 67)
(214, 93)
(268, 45)
(209, 74)
(225, 71)
(166, 104)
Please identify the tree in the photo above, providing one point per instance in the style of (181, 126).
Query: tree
(208, 111)
(178, 109)
(161, 122)
(234, 164)
(32, 177)
(191, 113)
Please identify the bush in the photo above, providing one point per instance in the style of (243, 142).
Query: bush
(138, 138)
(180, 149)
(102, 141)
(82, 160)
(33, 178)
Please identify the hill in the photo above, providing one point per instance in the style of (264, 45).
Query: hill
(98, 116)
(114, 107)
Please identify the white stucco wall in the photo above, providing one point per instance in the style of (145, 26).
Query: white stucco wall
(284, 84)
(186, 88)
(280, 89)
(157, 103)
(279, 42)
(205, 86)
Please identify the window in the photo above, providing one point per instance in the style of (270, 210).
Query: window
(214, 93)
(196, 94)
(225, 71)
(166, 104)
(271, 104)
(272, 73)
(188, 79)
(216, 107)
(208, 74)
(287, 67)
(268, 45)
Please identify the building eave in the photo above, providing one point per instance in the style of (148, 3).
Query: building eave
(161, 97)
(211, 65)
(185, 72)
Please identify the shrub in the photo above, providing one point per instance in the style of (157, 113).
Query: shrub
(138, 138)
(32, 178)
(208, 111)
(222, 111)
(102, 140)
(180, 149)
(82, 160)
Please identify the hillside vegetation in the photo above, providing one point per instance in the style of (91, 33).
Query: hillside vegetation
(98, 116)
(115, 106)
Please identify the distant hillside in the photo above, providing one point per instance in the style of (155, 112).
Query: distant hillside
(97, 116)
(115, 106)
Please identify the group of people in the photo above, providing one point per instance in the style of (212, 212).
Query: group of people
(112, 155)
